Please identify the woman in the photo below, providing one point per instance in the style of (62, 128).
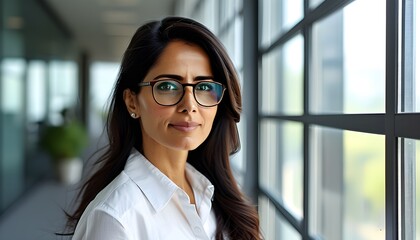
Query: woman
(171, 127)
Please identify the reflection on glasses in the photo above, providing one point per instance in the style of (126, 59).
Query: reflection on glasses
(169, 92)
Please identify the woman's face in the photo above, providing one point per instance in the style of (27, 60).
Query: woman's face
(185, 125)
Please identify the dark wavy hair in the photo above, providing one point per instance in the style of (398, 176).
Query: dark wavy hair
(236, 217)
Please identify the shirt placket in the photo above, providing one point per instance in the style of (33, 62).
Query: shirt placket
(193, 218)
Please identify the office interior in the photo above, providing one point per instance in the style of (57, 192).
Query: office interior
(330, 128)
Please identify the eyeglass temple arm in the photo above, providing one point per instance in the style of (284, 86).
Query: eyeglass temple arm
(142, 84)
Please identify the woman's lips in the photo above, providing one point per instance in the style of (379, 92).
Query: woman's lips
(185, 126)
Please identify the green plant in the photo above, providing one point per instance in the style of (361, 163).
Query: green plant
(65, 141)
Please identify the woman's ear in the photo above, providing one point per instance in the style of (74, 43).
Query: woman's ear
(130, 99)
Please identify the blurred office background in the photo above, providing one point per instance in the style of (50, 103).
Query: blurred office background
(330, 128)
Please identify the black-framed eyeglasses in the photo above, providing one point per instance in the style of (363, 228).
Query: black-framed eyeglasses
(169, 92)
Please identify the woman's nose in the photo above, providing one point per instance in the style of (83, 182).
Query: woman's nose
(188, 102)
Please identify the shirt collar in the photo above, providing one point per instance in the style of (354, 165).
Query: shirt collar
(156, 186)
(199, 182)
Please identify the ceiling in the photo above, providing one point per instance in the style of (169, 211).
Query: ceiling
(103, 28)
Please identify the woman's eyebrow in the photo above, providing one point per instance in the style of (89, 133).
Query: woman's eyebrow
(179, 78)
(198, 78)
(171, 76)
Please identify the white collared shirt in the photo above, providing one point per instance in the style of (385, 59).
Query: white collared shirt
(143, 203)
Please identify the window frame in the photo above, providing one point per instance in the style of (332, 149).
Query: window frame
(392, 124)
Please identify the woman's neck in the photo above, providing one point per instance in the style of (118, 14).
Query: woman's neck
(172, 163)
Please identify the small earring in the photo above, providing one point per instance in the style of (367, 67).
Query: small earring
(133, 115)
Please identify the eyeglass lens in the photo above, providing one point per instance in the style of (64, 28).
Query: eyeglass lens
(169, 92)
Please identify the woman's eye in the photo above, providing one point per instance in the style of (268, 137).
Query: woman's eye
(167, 86)
(204, 87)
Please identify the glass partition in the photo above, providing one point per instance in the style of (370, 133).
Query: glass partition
(12, 148)
(281, 163)
(277, 17)
(63, 90)
(410, 187)
(273, 224)
(409, 95)
(347, 185)
(348, 60)
(282, 79)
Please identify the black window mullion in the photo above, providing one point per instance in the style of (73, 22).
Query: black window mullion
(307, 38)
(368, 123)
(250, 102)
(407, 125)
(391, 152)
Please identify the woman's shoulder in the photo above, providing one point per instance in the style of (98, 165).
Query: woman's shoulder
(119, 196)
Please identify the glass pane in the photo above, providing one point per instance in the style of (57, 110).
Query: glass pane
(232, 38)
(410, 198)
(102, 79)
(238, 160)
(348, 60)
(281, 167)
(237, 57)
(63, 89)
(273, 225)
(12, 145)
(37, 94)
(417, 47)
(282, 79)
(410, 87)
(36, 100)
(206, 13)
(228, 10)
(347, 185)
(292, 13)
(278, 17)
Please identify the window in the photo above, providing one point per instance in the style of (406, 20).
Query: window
(62, 89)
(348, 60)
(409, 106)
(103, 76)
(278, 17)
(339, 122)
(273, 224)
(347, 184)
(36, 93)
(410, 197)
(281, 166)
(410, 83)
(12, 125)
(282, 79)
